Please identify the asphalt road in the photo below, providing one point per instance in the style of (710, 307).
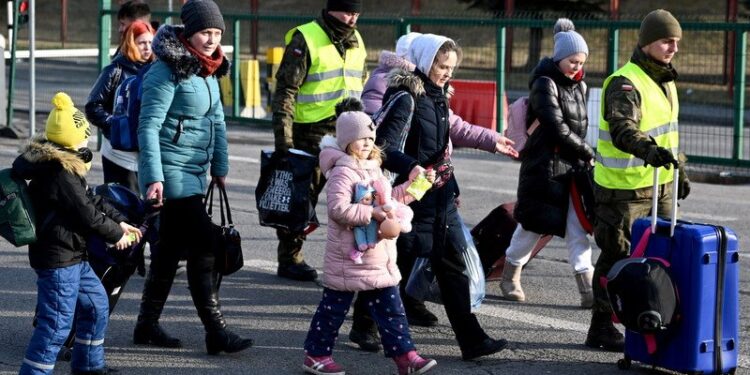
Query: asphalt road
(546, 334)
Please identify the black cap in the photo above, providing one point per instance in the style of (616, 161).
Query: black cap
(351, 6)
(199, 15)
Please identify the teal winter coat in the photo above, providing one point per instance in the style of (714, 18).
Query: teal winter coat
(181, 131)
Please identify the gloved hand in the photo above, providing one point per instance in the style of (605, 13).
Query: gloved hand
(660, 157)
(683, 187)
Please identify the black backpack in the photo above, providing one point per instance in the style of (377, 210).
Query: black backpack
(642, 294)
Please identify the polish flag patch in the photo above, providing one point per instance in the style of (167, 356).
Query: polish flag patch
(297, 52)
(627, 87)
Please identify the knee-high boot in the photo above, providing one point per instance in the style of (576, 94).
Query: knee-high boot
(206, 300)
(147, 329)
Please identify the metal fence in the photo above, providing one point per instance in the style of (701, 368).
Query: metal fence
(712, 63)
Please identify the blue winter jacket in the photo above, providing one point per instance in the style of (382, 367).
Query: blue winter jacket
(181, 130)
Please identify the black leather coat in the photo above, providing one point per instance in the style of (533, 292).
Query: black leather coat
(99, 105)
(557, 145)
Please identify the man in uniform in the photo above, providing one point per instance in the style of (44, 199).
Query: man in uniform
(324, 63)
(637, 133)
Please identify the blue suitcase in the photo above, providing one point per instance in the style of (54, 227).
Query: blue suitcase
(705, 270)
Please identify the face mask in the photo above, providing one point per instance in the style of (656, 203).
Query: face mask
(85, 154)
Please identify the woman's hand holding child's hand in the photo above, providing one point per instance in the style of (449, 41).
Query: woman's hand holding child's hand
(416, 171)
(429, 174)
(130, 236)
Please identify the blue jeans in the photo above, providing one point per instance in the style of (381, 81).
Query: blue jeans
(385, 307)
(65, 294)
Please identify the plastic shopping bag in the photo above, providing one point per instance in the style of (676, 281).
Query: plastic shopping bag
(423, 285)
(283, 192)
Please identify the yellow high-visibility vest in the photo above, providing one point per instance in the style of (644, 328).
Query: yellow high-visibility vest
(616, 169)
(330, 78)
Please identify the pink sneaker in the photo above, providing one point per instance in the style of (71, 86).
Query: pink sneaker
(356, 256)
(412, 363)
(322, 366)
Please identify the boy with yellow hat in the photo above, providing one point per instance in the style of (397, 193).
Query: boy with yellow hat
(56, 163)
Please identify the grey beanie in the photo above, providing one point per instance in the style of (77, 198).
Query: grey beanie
(199, 15)
(567, 40)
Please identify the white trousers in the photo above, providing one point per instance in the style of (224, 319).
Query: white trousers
(579, 247)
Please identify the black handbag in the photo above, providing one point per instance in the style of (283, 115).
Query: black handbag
(282, 195)
(227, 244)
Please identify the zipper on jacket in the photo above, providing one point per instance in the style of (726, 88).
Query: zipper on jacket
(180, 129)
(210, 122)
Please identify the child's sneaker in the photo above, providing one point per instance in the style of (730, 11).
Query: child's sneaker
(322, 366)
(412, 363)
(356, 256)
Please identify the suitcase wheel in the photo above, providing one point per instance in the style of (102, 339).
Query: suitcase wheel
(624, 363)
(65, 354)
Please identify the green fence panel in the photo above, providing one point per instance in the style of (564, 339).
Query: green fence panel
(712, 95)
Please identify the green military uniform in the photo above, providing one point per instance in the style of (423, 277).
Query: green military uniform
(302, 128)
(638, 132)
(618, 206)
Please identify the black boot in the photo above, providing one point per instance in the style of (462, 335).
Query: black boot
(206, 300)
(416, 312)
(225, 341)
(485, 347)
(603, 334)
(364, 332)
(147, 329)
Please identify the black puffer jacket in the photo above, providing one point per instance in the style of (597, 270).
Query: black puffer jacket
(66, 212)
(557, 145)
(100, 103)
(420, 137)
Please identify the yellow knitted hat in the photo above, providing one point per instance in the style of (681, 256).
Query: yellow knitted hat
(66, 125)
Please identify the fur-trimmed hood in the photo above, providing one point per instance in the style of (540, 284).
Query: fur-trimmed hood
(390, 60)
(409, 80)
(169, 49)
(40, 156)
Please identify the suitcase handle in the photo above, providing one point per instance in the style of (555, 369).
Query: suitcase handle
(655, 200)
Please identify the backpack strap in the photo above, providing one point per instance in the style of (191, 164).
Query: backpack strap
(380, 114)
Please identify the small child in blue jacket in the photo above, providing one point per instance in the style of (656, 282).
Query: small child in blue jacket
(67, 213)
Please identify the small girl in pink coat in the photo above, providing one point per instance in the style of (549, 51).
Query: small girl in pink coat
(350, 158)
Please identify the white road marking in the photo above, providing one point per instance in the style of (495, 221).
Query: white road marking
(490, 189)
(708, 218)
(244, 159)
(533, 319)
(498, 312)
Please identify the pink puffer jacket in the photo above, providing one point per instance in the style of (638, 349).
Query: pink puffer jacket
(378, 268)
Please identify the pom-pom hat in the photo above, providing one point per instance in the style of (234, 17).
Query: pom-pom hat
(66, 125)
(567, 40)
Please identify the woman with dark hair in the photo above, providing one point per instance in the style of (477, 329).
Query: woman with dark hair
(418, 138)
